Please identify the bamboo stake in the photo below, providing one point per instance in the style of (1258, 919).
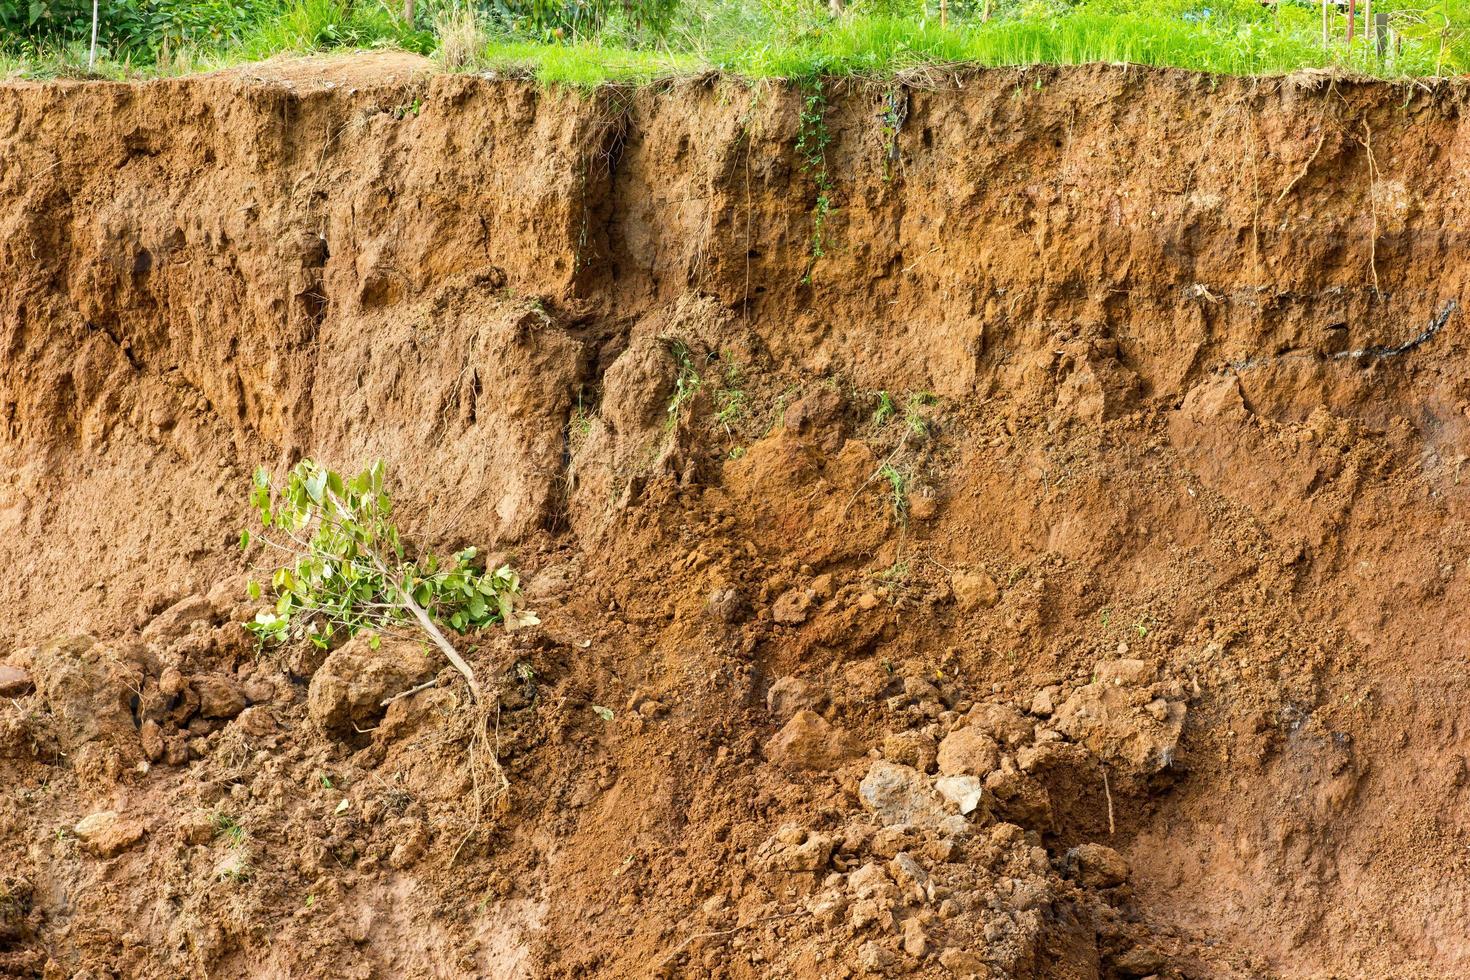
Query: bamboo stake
(92, 54)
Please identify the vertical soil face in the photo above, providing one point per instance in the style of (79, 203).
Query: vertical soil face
(1009, 528)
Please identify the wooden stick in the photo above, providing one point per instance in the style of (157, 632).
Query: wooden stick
(410, 692)
(1109, 790)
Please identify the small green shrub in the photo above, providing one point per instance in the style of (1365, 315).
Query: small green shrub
(344, 567)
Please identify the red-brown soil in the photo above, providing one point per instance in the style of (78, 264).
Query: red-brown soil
(1172, 594)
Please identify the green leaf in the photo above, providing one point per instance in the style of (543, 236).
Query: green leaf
(252, 588)
(605, 714)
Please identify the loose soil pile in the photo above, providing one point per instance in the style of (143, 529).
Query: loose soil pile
(1041, 554)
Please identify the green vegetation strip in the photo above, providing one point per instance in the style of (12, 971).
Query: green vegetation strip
(590, 42)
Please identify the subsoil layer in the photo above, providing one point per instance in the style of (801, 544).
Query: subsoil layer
(1010, 525)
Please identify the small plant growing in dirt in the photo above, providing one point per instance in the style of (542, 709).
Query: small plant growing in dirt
(345, 567)
(886, 409)
(812, 139)
(898, 489)
(687, 381)
(730, 398)
(913, 414)
(230, 829)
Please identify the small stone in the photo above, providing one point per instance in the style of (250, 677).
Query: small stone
(1017, 797)
(911, 749)
(171, 682)
(107, 834)
(1123, 673)
(870, 880)
(728, 606)
(974, 589)
(14, 682)
(875, 959)
(1001, 722)
(178, 619)
(867, 601)
(150, 737)
(788, 696)
(889, 841)
(822, 587)
(918, 689)
(347, 691)
(176, 750)
(906, 871)
(403, 855)
(219, 696)
(942, 851)
(964, 792)
(1042, 705)
(791, 609)
(795, 849)
(1158, 709)
(923, 506)
(256, 721)
(807, 741)
(963, 963)
(196, 828)
(791, 833)
(259, 691)
(1097, 866)
(968, 752)
(1140, 961)
(915, 942)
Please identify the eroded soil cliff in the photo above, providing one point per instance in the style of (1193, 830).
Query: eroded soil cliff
(1017, 525)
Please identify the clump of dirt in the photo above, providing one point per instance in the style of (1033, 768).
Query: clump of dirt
(1060, 575)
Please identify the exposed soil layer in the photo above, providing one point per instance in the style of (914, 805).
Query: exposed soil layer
(1008, 528)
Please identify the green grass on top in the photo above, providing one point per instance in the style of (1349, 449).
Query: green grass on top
(590, 42)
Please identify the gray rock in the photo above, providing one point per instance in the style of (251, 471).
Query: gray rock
(964, 792)
(901, 795)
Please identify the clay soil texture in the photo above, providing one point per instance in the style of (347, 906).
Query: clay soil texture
(1008, 527)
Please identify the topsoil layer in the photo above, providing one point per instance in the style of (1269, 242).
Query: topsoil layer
(1013, 527)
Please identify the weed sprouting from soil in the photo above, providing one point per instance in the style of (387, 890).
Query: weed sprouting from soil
(898, 491)
(812, 140)
(687, 382)
(229, 829)
(730, 397)
(886, 409)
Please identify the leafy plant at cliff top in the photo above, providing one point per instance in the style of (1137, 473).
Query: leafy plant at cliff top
(346, 569)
